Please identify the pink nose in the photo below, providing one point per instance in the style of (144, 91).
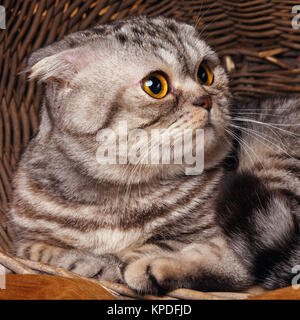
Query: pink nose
(203, 102)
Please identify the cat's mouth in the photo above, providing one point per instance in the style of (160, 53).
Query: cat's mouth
(189, 120)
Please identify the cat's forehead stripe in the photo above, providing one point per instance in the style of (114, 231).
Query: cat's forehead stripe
(177, 38)
(158, 38)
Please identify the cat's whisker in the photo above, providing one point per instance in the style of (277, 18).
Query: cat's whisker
(257, 132)
(126, 171)
(274, 126)
(200, 15)
(212, 21)
(261, 108)
(255, 113)
(203, 13)
(272, 130)
(261, 138)
(146, 153)
(244, 145)
(137, 166)
(270, 123)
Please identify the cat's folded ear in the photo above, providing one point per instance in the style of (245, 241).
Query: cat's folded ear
(53, 62)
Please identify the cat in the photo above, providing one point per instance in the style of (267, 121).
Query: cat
(152, 226)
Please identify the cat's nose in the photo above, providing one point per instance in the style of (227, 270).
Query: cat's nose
(203, 102)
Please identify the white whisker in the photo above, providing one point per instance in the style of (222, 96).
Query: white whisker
(244, 145)
(259, 137)
(272, 125)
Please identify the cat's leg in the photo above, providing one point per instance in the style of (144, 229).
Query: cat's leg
(78, 261)
(210, 266)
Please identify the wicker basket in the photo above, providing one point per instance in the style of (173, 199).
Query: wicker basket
(255, 40)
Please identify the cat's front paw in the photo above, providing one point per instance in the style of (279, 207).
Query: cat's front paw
(82, 264)
(110, 268)
(103, 267)
(155, 275)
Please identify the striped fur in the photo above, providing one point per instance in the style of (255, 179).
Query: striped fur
(151, 226)
(259, 204)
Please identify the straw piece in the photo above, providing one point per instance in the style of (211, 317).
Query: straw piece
(14, 265)
(124, 290)
(41, 267)
(232, 295)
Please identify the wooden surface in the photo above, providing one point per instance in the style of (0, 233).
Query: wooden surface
(288, 293)
(46, 287)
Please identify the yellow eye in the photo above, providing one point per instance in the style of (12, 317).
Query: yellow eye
(205, 75)
(156, 85)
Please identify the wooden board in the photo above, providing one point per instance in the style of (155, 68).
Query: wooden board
(47, 287)
(288, 293)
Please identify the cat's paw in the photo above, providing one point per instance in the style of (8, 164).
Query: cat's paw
(84, 265)
(104, 267)
(155, 275)
(110, 268)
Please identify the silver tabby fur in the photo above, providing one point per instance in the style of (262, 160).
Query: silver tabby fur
(151, 226)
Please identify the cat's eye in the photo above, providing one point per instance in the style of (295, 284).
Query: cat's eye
(156, 85)
(205, 75)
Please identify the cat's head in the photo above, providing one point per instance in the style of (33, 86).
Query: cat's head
(139, 74)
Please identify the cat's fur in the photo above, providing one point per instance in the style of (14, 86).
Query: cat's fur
(151, 226)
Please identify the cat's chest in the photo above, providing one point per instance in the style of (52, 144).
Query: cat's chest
(118, 238)
(115, 240)
(123, 226)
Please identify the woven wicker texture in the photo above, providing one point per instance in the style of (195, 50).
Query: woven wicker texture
(255, 40)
